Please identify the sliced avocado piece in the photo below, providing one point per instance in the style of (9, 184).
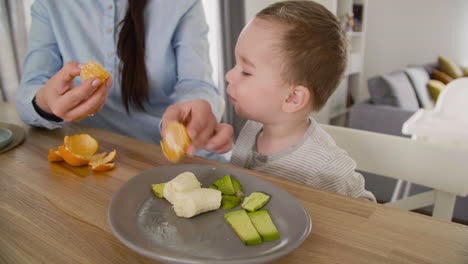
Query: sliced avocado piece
(229, 201)
(255, 201)
(264, 225)
(236, 184)
(240, 222)
(158, 189)
(238, 188)
(213, 187)
(224, 184)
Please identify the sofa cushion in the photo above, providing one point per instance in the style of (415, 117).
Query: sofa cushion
(419, 78)
(393, 89)
(435, 88)
(441, 76)
(449, 67)
(465, 71)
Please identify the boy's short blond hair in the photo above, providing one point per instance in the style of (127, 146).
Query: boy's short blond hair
(314, 47)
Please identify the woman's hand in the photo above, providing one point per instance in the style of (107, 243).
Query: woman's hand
(60, 98)
(204, 130)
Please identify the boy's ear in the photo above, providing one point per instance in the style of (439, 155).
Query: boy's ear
(298, 98)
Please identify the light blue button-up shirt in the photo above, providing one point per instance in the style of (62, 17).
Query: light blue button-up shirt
(177, 59)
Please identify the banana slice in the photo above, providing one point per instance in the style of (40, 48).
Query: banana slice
(181, 183)
(196, 201)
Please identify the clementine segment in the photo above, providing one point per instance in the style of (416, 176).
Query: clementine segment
(175, 142)
(93, 70)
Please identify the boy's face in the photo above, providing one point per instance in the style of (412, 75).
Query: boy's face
(256, 89)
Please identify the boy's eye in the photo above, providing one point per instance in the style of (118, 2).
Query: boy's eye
(246, 73)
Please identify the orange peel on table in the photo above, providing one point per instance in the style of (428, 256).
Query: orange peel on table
(80, 150)
(54, 156)
(175, 142)
(103, 163)
(93, 70)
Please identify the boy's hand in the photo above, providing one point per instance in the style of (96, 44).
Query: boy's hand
(203, 129)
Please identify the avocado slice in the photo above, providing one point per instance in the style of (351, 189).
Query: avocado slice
(236, 184)
(224, 184)
(229, 201)
(255, 201)
(237, 188)
(158, 189)
(240, 222)
(264, 225)
(213, 187)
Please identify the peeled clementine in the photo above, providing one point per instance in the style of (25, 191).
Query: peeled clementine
(54, 156)
(93, 70)
(175, 142)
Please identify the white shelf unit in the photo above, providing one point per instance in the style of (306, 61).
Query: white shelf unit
(353, 79)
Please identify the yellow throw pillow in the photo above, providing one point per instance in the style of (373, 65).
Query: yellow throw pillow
(435, 88)
(449, 67)
(441, 76)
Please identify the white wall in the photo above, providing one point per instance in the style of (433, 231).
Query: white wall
(402, 32)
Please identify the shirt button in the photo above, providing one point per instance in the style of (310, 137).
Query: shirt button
(110, 6)
(109, 30)
(110, 54)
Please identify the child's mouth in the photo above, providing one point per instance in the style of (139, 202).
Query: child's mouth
(231, 100)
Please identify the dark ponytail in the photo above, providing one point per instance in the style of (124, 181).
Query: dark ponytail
(131, 50)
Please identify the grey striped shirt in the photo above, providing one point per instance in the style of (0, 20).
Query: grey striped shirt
(315, 160)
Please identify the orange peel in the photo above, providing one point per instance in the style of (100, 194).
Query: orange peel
(82, 145)
(103, 167)
(80, 150)
(72, 158)
(175, 142)
(96, 164)
(93, 70)
(54, 156)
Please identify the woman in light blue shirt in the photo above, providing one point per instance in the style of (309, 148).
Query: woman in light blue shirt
(157, 53)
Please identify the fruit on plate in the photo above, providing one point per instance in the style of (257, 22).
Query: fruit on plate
(158, 189)
(183, 182)
(93, 70)
(264, 225)
(175, 141)
(225, 185)
(255, 201)
(230, 201)
(240, 222)
(196, 201)
(184, 192)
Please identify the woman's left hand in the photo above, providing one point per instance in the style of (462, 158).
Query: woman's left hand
(204, 130)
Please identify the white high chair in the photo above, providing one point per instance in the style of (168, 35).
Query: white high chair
(439, 166)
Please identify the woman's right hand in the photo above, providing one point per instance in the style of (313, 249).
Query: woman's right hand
(58, 96)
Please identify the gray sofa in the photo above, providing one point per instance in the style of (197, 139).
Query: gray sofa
(394, 97)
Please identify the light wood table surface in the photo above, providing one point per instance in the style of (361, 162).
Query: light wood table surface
(55, 213)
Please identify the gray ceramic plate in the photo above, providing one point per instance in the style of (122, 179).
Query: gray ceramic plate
(5, 137)
(149, 225)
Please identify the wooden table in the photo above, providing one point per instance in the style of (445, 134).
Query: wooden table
(55, 213)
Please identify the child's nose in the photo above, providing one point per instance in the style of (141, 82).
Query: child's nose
(229, 76)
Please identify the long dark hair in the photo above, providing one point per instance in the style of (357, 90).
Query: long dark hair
(131, 50)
